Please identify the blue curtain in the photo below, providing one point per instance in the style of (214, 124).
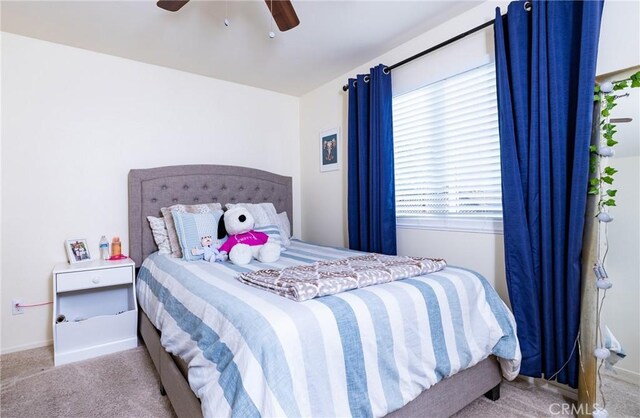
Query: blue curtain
(371, 199)
(545, 68)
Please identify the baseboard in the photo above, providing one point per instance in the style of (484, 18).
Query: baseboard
(554, 387)
(623, 374)
(94, 351)
(24, 347)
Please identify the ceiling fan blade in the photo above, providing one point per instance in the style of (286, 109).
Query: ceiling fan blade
(171, 5)
(283, 13)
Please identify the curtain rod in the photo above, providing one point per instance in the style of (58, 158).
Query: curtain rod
(434, 48)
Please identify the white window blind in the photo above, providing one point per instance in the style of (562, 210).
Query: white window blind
(447, 153)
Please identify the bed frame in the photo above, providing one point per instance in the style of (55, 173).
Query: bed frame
(154, 188)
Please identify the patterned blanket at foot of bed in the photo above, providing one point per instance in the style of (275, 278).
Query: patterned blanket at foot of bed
(330, 277)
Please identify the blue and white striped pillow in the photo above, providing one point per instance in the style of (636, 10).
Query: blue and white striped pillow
(274, 234)
(191, 227)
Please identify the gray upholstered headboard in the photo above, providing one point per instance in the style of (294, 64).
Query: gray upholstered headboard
(153, 188)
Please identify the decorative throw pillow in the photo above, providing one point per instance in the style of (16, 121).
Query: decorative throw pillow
(160, 234)
(265, 214)
(274, 234)
(285, 223)
(169, 221)
(259, 214)
(192, 227)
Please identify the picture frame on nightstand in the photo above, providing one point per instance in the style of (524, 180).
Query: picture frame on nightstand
(77, 250)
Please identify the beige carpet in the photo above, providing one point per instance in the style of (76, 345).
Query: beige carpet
(125, 385)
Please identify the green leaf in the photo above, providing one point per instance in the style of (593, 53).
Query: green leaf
(607, 135)
(594, 181)
(610, 99)
(596, 89)
(605, 113)
(596, 97)
(620, 85)
(607, 179)
(593, 148)
(593, 190)
(612, 192)
(611, 142)
(610, 171)
(635, 76)
(609, 202)
(635, 83)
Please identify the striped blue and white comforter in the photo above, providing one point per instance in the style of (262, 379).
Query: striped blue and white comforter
(366, 352)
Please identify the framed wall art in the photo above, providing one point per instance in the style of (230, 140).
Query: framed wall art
(329, 147)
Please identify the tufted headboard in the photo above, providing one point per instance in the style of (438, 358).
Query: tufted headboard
(153, 188)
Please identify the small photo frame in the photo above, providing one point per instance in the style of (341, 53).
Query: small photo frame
(329, 146)
(77, 250)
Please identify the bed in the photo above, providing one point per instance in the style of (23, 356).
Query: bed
(275, 389)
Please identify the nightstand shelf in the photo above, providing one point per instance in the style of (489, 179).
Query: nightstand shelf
(98, 301)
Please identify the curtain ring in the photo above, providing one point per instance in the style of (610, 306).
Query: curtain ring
(527, 6)
(386, 70)
(354, 83)
(366, 78)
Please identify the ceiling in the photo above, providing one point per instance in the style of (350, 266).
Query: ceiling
(332, 38)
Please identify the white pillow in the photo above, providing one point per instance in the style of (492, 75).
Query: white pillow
(274, 234)
(265, 214)
(160, 234)
(192, 228)
(174, 242)
(285, 223)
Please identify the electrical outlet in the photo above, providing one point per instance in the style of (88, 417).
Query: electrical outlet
(15, 309)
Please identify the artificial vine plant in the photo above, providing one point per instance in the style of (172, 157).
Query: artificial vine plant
(606, 94)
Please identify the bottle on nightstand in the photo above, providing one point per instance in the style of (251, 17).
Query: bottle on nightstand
(104, 248)
(116, 248)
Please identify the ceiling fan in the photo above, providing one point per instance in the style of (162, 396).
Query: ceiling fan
(281, 10)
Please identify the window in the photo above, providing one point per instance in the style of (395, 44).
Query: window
(447, 154)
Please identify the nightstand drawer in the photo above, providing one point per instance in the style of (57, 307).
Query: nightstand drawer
(90, 279)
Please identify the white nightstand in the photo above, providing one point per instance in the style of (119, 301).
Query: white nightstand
(98, 300)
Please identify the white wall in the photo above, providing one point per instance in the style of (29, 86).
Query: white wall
(621, 309)
(619, 50)
(324, 194)
(75, 122)
(619, 37)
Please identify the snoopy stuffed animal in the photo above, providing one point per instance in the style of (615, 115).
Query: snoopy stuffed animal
(245, 244)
